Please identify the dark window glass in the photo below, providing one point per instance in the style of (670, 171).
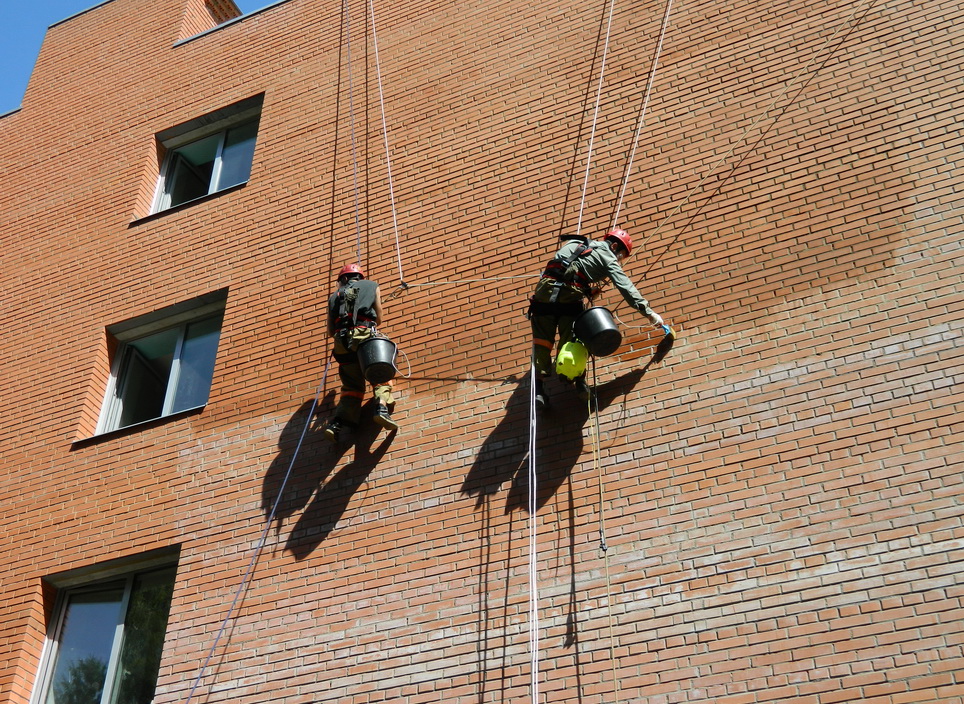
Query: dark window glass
(237, 155)
(111, 634)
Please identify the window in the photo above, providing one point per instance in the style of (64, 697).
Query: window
(164, 362)
(104, 645)
(207, 155)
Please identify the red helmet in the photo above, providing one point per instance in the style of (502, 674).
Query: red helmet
(622, 237)
(350, 269)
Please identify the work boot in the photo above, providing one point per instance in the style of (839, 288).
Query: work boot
(383, 418)
(542, 398)
(582, 389)
(332, 430)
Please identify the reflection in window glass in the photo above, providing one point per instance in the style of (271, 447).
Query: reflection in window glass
(207, 165)
(237, 155)
(197, 364)
(147, 371)
(109, 643)
(86, 638)
(143, 641)
(191, 168)
(161, 373)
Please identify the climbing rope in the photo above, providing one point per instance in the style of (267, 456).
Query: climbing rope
(752, 126)
(466, 281)
(263, 540)
(642, 113)
(405, 286)
(533, 544)
(351, 123)
(595, 118)
(388, 155)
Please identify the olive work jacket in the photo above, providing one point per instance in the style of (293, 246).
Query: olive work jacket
(600, 264)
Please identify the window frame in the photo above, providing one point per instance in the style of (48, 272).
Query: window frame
(218, 123)
(90, 580)
(178, 317)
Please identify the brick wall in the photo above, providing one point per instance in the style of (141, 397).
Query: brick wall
(781, 499)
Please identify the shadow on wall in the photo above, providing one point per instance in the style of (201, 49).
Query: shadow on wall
(321, 499)
(504, 454)
(503, 457)
(312, 463)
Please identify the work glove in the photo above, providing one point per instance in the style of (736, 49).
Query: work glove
(656, 320)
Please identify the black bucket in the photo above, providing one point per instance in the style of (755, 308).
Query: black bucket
(597, 330)
(376, 356)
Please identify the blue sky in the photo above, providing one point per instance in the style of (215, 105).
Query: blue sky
(23, 24)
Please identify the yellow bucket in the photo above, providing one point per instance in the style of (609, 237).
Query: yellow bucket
(571, 360)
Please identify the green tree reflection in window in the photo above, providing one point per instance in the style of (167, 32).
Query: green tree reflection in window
(111, 633)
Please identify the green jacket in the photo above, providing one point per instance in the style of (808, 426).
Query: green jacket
(601, 264)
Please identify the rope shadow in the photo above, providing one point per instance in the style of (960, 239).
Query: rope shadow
(561, 443)
(504, 453)
(296, 437)
(330, 501)
(502, 458)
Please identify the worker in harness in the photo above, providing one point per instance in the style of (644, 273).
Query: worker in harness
(572, 276)
(354, 311)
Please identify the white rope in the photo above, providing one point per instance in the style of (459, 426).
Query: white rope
(595, 118)
(388, 156)
(533, 545)
(405, 376)
(642, 113)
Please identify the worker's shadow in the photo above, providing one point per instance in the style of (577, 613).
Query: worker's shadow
(559, 443)
(303, 461)
(332, 497)
(296, 480)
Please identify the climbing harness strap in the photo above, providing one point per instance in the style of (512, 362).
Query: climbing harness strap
(564, 271)
(347, 312)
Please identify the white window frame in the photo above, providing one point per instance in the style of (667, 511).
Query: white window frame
(217, 123)
(90, 579)
(175, 317)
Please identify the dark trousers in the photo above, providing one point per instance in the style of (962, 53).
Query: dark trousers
(353, 384)
(548, 319)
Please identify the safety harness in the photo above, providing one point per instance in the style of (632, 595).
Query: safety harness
(351, 325)
(564, 272)
(348, 315)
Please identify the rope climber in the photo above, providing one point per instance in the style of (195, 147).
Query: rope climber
(572, 276)
(354, 311)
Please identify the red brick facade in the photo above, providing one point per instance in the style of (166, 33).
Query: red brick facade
(782, 498)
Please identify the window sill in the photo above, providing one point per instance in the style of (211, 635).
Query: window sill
(187, 204)
(135, 428)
